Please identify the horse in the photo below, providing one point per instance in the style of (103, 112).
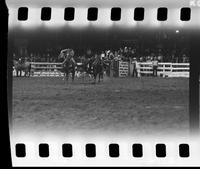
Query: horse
(94, 67)
(98, 68)
(20, 66)
(69, 64)
(84, 68)
(69, 67)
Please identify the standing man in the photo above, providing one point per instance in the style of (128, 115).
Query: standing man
(155, 66)
(135, 67)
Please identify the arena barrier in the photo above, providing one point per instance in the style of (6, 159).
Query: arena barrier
(123, 69)
(45, 69)
(164, 69)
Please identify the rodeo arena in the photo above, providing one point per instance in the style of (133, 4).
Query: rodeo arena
(132, 87)
(121, 63)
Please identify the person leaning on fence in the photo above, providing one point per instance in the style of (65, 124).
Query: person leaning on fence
(155, 66)
(135, 67)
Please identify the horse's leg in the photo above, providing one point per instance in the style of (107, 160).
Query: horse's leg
(17, 73)
(95, 76)
(25, 73)
(73, 74)
(64, 75)
(67, 76)
(20, 73)
(83, 77)
(29, 73)
(99, 77)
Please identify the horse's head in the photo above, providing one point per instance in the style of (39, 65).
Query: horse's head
(71, 52)
(61, 55)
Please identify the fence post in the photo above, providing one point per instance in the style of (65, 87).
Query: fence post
(139, 72)
(171, 66)
(163, 73)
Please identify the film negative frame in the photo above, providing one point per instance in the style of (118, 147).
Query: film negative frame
(193, 110)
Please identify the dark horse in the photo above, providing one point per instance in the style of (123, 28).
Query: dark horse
(69, 64)
(95, 67)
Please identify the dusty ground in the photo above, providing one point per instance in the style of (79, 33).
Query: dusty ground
(118, 105)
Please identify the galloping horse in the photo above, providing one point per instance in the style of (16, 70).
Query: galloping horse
(69, 64)
(20, 66)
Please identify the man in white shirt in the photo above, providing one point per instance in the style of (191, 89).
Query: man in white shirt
(155, 66)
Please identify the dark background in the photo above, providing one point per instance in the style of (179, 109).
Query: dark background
(38, 40)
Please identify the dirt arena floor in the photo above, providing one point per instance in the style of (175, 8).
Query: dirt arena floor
(146, 105)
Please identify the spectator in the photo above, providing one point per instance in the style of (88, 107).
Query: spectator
(102, 55)
(184, 58)
(155, 66)
(135, 67)
(160, 57)
(111, 56)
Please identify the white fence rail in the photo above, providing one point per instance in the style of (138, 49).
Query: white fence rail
(166, 69)
(46, 69)
(145, 68)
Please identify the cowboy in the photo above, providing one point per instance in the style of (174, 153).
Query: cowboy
(68, 55)
(20, 60)
(71, 56)
(135, 67)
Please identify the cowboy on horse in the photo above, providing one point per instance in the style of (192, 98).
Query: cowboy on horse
(69, 64)
(95, 66)
(98, 67)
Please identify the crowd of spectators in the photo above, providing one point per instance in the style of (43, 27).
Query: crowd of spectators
(123, 54)
(37, 57)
